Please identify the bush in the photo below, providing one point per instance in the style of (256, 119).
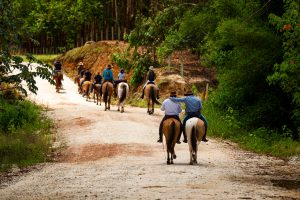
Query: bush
(25, 134)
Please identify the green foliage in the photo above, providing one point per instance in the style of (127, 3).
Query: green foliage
(24, 134)
(122, 60)
(260, 140)
(287, 73)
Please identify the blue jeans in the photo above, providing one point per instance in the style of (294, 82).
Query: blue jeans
(189, 116)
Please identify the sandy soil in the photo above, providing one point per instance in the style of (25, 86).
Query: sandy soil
(109, 155)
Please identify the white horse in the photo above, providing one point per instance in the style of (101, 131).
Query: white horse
(195, 130)
(123, 90)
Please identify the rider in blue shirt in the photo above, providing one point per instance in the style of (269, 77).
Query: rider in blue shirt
(193, 109)
(107, 74)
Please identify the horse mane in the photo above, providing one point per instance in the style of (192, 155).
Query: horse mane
(153, 96)
(124, 93)
(194, 138)
(105, 95)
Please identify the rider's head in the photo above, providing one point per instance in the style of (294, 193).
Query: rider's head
(122, 71)
(151, 67)
(81, 63)
(108, 66)
(173, 94)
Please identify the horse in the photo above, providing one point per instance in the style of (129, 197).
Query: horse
(86, 89)
(171, 131)
(79, 85)
(195, 130)
(97, 93)
(151, 92)
(123, 90)
(57, 78)
(107, 90)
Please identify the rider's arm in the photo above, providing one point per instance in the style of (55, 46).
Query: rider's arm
(175, 99)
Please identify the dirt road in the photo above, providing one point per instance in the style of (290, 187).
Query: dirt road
(109, 155)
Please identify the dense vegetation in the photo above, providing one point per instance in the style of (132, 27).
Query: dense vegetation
(253, 44)
(24, 130)
(255, 47)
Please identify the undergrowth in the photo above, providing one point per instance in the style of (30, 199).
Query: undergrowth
(25, 134)
(226, 125)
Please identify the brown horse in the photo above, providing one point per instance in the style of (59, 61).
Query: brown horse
(151, 92)
(97, 93)
(86, 89)
(123, 90)
(195, 130)
(57, 78)
(107, 91)
(79, 85)
(171, 131)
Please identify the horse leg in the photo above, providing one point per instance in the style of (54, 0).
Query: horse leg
(191, 158)
(109, 103)
(195, 155)
(168, 159)
(148, 111)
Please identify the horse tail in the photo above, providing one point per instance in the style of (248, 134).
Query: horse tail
(194, 138)
(105, 95)
(124, 93)
(153, 96)
(171, 136)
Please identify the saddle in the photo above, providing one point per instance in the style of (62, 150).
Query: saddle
(150, 82)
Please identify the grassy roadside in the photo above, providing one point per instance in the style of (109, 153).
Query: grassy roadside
(25, 134)
(263, 140)
(46, 58)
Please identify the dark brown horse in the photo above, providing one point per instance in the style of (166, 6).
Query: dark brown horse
(171, 131)
(97, 93)
(107, 91)
(57, 78)
(151, 92)
(79, 85)
(195, 130)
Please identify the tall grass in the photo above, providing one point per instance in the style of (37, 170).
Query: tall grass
(227, 125)
(25, 134)
(46, 58)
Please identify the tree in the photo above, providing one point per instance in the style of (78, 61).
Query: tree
(13, 71)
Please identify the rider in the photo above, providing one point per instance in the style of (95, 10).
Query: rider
(79, 68)
(172, 110)
(82, 72)
(150, 80)
(121, 77)
(107, 75)
(97, 80)
(87, 77)
(193, 109)
(57, 68)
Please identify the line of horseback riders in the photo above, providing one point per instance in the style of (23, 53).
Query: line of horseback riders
(171, 106)
(107, 76)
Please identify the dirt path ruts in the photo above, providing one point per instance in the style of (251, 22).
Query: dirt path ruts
(109, 155)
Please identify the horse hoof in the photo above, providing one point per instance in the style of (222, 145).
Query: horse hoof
(195, 162)
(174, 156)
(168, 162)
(172, 162)
(191, 163)
(122, 111)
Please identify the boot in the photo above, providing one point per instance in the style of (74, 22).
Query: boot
(204, 138)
